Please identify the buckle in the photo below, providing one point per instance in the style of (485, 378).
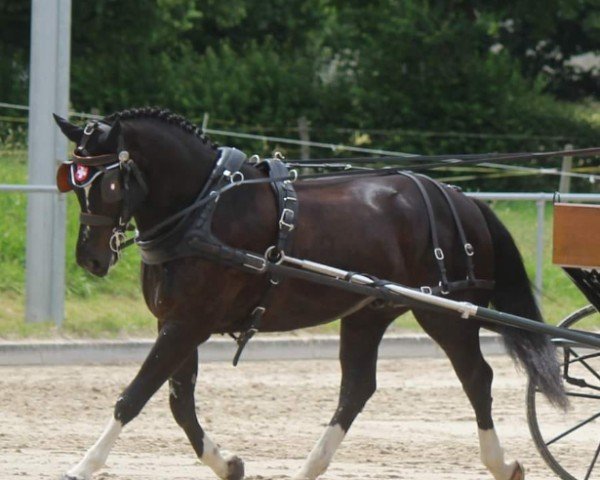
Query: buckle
(469, 250)
(427, 290)
(257, 311)
(89, 128)
(259, 266)
(282, 220)
(439, 253)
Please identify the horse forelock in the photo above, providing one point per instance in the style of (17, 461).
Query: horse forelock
(165, 116)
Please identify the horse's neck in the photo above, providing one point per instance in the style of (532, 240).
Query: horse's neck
(176, 173)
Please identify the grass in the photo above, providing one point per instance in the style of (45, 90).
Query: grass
(113, 307)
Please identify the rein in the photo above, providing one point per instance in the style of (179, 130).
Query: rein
(444, 160)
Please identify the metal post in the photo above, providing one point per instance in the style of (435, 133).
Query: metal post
(48, 93)
(539, 251)
(303, 130)
(567, 164)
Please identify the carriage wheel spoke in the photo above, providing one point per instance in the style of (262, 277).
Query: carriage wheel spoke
(571, 430)
(591, 467)
(583, 395)
(585, 364)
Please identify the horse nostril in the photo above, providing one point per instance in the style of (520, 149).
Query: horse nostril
(91, 265)
(94, 265)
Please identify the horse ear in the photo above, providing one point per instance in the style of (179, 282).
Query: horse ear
(113, 135)
(72, 132)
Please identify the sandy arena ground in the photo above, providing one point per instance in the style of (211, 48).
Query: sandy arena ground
(418, 425)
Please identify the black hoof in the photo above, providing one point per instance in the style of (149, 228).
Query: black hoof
(235, 468)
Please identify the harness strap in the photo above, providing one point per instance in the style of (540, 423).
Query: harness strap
(458, 285)
(438, 253)
(94, 220)
(287, 207)
(467, 246)
(96, 160)
(287, 203)
(87, 133)
(254, 321)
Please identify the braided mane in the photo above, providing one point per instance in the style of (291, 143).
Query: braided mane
(165, 116)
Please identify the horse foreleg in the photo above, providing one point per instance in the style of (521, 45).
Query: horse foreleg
(360, 337)
(181, 399)
(173, 345)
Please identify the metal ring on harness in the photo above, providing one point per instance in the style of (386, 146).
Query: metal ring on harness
(294, 174)
(236, 177)
(116, 240)
(123, 156)
(278, 259)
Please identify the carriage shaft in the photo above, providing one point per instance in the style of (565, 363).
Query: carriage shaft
(386, 290)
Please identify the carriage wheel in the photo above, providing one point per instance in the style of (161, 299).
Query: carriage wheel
(569, 441)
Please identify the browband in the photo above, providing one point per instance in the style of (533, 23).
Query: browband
(97, 160)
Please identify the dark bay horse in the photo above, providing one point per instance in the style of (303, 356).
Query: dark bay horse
(372, 224)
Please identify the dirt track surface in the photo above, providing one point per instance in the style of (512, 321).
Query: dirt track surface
(418, 425)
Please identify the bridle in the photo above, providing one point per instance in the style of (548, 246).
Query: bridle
(121, 181)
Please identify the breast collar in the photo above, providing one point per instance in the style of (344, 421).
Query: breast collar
(192, 235)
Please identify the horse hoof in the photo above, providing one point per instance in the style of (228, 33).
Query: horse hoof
(519, 473)
(235, 468)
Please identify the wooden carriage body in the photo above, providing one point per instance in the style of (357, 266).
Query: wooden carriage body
(576, 246)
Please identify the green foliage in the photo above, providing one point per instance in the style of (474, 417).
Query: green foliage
(544, 40)
(417, 76)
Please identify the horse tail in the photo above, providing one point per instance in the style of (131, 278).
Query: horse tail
(513, 294)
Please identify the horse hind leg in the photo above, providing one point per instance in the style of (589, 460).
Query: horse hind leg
(460, 342)
(181, 400)
(361, 334)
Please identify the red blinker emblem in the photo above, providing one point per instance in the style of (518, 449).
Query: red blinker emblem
(82, 173)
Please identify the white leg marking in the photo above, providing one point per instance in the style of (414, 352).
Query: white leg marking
(492, 455)
(218, 461)
(320, 457)
(96, 456)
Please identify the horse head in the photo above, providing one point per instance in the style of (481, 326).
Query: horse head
(136, 165)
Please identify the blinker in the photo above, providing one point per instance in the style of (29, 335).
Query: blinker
(63, 182)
